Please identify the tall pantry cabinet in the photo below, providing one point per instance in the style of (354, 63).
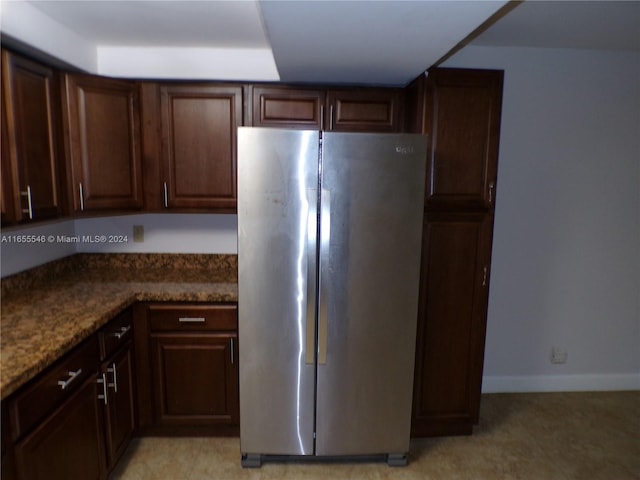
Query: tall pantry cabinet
(459, 111)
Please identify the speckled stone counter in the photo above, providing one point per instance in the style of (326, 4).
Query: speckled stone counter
(49, 310)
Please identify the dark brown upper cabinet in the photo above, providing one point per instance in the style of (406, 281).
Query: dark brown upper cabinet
(284, 107)
(199, 128)
(364, 110)
(361, 109)
(103, 143)
(6, 197)
(462, 120)
(30, 157)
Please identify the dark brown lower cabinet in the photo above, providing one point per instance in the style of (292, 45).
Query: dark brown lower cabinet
(195, 379)
(7, 461)
(68, 443)
(193, 352)
(452, 312)
(116, 379)
(119, 408)
(75, 419)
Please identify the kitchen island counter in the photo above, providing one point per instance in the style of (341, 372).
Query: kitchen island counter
(45, 315)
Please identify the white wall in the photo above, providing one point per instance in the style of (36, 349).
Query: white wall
(163, 233)
(20, 251)
(566, 253)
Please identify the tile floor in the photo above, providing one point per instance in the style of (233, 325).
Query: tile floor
(542, 436)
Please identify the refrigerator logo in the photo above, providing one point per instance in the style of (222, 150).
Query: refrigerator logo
(404, 149)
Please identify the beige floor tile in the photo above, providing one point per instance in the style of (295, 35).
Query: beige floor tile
(557, 436)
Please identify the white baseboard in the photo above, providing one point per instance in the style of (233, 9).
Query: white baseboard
(560, 383)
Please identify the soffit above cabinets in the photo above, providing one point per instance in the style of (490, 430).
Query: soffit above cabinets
(366, 42)
(385, 42)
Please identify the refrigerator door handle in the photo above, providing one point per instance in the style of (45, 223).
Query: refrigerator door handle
(325, 236)
(312, 233)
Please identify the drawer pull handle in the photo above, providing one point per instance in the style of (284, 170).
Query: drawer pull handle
(192, 319)
(72, 376)
(81, 195)
(29, 196)
(122, 332)
(103, 380)
(165, 194)
(113, 370)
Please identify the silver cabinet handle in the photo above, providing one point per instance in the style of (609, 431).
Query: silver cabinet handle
(232, 351)
(325, 237)
(165, 192)
(103, 380)
(81, 193)
(29, 196)
(123, 331)
(321, 117)
(192, 319)
(113, 370)
(491, 187)
(331, 118)
(312, 229)
(484, 276)
(72, 376)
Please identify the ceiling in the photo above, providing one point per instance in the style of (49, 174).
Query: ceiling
(366, 42)
(607, 25)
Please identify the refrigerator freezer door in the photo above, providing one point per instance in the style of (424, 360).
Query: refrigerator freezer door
(369, 277)
(277, 198)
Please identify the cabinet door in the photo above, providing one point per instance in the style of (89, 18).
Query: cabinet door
(462, 121)
(364, 110)
(103, 145)
(7, 462)
(119, 418)
(195, 379)
(30, 104)
(6, 187)
(451, 323)
(68, 444)
(288, 108)
(199, 125)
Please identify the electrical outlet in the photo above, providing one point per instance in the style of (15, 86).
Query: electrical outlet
(558, 355)
(138, 233)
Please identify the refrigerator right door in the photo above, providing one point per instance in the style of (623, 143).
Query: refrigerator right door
(372, 203)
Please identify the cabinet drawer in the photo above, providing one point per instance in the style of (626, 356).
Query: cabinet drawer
(192, 317)
(55, 385)
(117, 332)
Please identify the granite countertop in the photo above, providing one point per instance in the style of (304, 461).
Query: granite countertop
(45, 315)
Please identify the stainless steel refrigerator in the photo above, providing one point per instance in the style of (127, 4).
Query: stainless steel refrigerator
(329, 236)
